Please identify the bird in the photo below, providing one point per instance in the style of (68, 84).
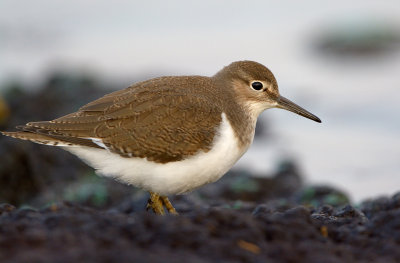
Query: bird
(168, 135)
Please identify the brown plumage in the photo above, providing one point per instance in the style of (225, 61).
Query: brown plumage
(169, 119)
(154, 119)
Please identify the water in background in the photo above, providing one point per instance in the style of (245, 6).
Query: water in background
(317, 51)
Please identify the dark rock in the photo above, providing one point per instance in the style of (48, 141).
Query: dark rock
(358, 40)
(5, 208)
(321, 195)
(240, 185)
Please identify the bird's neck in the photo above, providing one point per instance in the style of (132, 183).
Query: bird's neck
(242, 116)
(243, 125)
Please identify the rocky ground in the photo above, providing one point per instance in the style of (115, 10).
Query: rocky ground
(238, 233)
(241, 218)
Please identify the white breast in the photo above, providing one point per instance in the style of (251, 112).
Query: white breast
(170, 178)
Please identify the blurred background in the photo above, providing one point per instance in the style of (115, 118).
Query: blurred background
(340, 60)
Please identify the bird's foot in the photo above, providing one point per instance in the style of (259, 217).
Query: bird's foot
(157, 203)
(168, 205)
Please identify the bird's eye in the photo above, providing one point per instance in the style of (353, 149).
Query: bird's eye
(257, 85)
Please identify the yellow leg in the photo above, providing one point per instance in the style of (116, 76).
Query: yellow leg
(168, 205)
(155, 203)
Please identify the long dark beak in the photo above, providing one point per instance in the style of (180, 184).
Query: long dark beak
(284, 103)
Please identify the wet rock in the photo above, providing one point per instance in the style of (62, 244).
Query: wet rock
(269, 232)
(350, 212)
(320, 195)
(358, 39)
(373, 206)
(5, 208)
(240, 185)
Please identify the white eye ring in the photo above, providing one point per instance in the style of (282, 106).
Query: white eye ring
(257, 85)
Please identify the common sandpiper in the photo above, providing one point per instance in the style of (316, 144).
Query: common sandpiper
(168, 135)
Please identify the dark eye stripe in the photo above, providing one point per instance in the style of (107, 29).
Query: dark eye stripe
(257, 85)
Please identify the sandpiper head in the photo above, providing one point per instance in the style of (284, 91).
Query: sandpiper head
(257, 89)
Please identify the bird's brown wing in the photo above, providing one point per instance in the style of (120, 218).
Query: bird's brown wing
(148, 120)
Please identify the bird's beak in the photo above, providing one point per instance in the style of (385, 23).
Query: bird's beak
(284, 103)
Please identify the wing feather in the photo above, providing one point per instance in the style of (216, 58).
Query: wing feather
(150, 120)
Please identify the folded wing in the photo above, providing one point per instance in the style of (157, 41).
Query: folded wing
(148, 120)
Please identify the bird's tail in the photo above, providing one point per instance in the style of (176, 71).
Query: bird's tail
(48, 137)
